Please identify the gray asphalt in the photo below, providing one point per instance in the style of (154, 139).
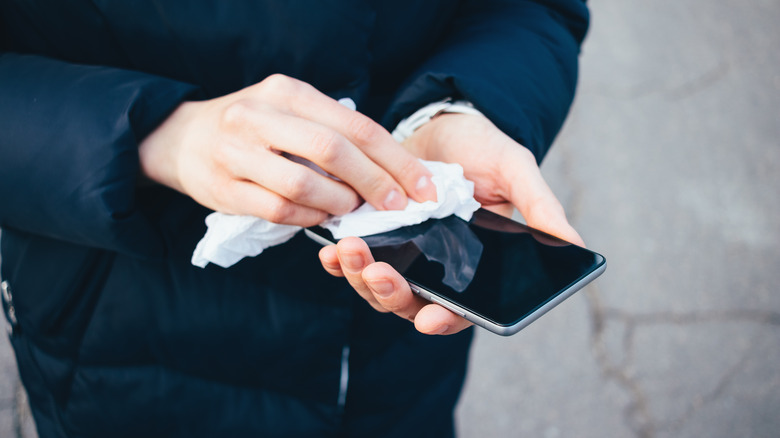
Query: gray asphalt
(670, 166)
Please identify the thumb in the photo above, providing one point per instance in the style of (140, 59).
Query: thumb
(547, 215)
(535, 200)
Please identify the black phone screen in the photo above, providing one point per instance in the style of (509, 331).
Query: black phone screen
(496, 268)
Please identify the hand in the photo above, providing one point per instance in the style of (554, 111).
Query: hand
(231, 154)
(505, 175)
(385, 289)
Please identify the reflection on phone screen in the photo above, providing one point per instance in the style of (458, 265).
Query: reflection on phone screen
(496, 268)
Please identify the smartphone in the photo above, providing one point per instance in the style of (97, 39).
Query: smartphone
(495, 272)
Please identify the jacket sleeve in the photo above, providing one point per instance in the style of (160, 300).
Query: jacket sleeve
(68, 149)
(516, 61)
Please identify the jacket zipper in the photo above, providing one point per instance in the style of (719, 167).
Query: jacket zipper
(344, 380)
(10, 313)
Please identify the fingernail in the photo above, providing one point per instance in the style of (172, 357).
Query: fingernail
(394, 201)
(383, 288)
(441, 330)
(352, 261)
(426, 188)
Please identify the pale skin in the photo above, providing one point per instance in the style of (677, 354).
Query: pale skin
(226, 153)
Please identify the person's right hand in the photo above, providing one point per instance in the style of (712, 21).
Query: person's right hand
(227, 154)
(505, 175)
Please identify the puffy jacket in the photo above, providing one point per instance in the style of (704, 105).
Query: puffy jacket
(116, 333)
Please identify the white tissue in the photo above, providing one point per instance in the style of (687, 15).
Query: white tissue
(230, 238)
(454, 194)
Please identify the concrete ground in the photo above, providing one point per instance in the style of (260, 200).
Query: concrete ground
(670, 166)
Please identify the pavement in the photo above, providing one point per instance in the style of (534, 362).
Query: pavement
(669, 165)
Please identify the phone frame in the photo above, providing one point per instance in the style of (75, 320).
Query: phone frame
(481, 321)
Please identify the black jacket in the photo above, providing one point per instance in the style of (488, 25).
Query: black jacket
(116, 334)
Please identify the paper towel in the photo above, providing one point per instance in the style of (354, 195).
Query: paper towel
(230, 238)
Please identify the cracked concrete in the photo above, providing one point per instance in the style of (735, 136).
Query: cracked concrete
(668, 165)
(617, 358)
(618, 367)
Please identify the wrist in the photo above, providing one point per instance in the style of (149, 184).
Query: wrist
(158, 152)
(421, 117)
(446, 131)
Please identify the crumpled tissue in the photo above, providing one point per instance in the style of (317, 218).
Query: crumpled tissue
(230, 238)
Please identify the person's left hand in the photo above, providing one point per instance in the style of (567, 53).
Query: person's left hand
(505, 175)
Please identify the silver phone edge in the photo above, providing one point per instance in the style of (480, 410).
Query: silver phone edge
(521, 324)
(482, 322)
(317, 238)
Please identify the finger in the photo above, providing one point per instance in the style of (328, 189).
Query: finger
(548, 215)
(354, 256)
(329, 150)
(374, 141)
(329, 257)
(294, 181)
(247, 198)
(436, 320)
(370, 137)
(392, 291)
(534, 199)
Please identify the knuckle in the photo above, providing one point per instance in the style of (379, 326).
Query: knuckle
(409, 167)
(278, 82)
(382, 185)
(278, 210)
(350, 202)
(326, 145)
(282, 89)
(297, 186)
(363, 130)
(236, 113)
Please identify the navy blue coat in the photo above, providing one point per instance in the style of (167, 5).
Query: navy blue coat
(116, 334)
